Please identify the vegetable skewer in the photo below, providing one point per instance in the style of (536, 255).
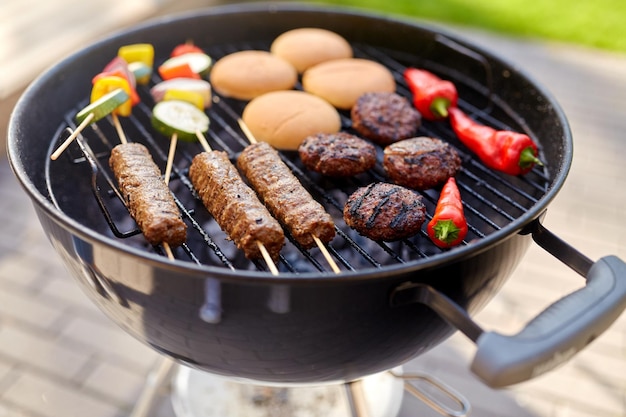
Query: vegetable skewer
(95, 111)
(166, 115)
(179, 120)
(113, 91)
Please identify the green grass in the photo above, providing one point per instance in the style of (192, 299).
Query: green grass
(594, 23)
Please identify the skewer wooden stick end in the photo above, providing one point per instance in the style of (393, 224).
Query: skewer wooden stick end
(267, 258)
(118, 128)
(203, 141)
(73, 136)
(246, 131)
(168, 251)
(324, 250)
(170, 158)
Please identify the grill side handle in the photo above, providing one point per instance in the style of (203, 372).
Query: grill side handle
(554, 336)
(558, 332)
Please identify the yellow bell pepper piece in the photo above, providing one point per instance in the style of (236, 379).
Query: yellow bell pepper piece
(142, 53)
(192, 97)
(107, 84)
(137, 52)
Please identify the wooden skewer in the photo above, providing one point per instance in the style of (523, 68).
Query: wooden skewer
(326, 254)
(166, 178)
(246, 131)
(168, 251)
(86, 121)
(170, 158)
(318, 242)
(118, 128)
(267, 258)
(73, 136)
(203, 141)
(266, 255)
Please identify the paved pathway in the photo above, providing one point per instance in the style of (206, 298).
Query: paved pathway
(59, 356)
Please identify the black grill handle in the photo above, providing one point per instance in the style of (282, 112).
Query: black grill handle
(550, 339)
(558, 332)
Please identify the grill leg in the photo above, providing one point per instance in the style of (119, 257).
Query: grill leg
(155, 381)
(356, 399)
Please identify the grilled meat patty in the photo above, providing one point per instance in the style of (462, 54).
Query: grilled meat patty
(337, 154)
(384, 211)
(385, 118)
(284, 195)
(421, 162)
(235, 206)
(147, 197)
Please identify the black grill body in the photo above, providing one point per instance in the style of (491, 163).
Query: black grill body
(213, 309)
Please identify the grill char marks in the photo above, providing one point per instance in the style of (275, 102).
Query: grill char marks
(337, 154)
(234, 205)
(384, 118)
(284, 195)
(421, 162)
(148, 198)
(383, 211)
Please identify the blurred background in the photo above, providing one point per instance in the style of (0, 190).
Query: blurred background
(33, 34)
(60, 357)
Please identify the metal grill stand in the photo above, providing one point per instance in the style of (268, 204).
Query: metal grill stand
(197, 393)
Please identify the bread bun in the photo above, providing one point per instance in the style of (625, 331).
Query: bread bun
(248, 74)
(285, 118)
(342, 81)
(306, 47)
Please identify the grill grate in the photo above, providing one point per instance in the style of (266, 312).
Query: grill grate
(491, 200)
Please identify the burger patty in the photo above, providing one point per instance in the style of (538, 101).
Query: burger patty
(284, 195)
(421, 162)
(337, 154)
(385, 118)
(383, 211)
(147, 196)
(234, 205)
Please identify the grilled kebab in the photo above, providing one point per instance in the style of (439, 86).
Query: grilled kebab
(235, 206)
(284, 195)
(148, 198)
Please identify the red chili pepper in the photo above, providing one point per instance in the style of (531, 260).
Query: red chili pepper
(432, 96)
(509, 152)
(448, 227)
